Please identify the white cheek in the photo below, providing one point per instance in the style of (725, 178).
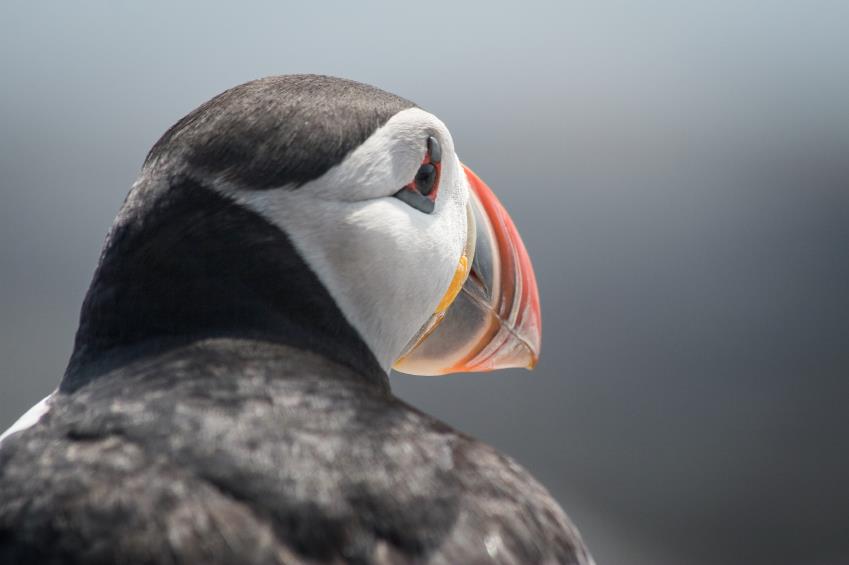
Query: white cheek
(412, 258)
(386, 264)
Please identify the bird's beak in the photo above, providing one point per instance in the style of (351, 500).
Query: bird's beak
(490, 316)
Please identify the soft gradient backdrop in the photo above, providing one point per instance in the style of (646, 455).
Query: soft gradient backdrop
(679, 172)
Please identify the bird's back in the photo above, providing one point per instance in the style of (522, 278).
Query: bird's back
(232, 451)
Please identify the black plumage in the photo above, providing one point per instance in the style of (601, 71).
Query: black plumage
(276, 131)
(218, 407)
(190, 263)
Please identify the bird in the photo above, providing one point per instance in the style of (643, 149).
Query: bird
(286, 245)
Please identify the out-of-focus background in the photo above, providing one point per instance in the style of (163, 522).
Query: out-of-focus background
(679, 172)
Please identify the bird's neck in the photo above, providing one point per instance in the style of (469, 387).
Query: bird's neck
(183, 263)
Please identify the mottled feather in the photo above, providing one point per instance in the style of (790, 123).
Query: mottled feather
(233, 451)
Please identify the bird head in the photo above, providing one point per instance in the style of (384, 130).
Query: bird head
(366, 192)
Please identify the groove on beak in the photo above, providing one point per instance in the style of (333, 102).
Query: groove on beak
(494, 322)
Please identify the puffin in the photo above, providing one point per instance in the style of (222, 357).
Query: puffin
(227, 400)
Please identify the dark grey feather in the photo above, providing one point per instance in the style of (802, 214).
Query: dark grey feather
(277, 131)
(233, 451)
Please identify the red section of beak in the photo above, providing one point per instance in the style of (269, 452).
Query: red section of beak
(516, 341)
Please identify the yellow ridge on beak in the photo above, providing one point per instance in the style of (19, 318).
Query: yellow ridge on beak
(456, 285)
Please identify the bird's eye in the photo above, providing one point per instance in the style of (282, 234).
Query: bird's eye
(425, 179)
(420, 193)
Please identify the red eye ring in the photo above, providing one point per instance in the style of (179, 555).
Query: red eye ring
(421, 192)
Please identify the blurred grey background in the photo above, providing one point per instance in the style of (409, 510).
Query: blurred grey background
(679, 172)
